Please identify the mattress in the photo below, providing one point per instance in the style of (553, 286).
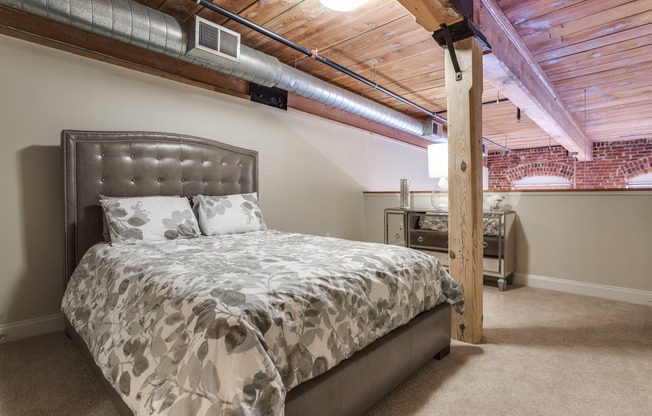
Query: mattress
(229, 324)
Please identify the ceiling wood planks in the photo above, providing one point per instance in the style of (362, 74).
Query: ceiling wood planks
(598, 56)
(180, 10)
(603, 47)
(579, 27)
(513, 70)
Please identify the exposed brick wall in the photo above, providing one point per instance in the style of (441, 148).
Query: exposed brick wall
(612, 165)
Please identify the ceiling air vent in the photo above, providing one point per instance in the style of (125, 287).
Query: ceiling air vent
(213, 43)
(435, 132)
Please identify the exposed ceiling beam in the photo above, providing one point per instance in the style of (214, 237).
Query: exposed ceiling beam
(431, 14)
(514, 71)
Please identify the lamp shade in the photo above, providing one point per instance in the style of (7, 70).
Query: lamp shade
(438, 160)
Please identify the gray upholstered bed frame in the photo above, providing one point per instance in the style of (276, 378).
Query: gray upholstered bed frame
(148, 163)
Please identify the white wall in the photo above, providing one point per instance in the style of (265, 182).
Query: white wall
(593, 243)
(312, 172)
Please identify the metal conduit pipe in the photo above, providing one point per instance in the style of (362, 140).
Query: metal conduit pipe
(251, 25)
(285, 41)
(138, 25)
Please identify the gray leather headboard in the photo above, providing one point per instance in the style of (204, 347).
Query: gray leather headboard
(141, 164)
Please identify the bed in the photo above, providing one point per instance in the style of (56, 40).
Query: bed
(147, 163)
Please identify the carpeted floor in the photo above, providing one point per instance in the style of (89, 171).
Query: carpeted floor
(544, 353)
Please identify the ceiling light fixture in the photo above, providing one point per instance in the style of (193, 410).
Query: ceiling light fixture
(342, 5)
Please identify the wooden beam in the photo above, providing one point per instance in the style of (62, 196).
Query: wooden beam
(464, 104)
(514, 71)
(465, 185)
(431, 14)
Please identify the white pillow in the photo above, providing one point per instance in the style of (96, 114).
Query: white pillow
(229, 214)
(149, 218)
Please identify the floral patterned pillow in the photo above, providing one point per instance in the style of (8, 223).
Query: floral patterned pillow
(229, 214)
(149, 218)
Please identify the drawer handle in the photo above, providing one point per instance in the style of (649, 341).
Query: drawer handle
(420, 239)
(484, 244)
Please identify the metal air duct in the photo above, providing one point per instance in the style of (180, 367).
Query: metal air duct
(138, 25)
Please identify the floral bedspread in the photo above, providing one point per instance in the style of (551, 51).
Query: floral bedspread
(227, 325)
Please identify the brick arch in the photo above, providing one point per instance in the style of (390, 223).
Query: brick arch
(547, 168)
(634, 168)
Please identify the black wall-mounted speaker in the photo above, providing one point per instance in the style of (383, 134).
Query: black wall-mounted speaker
(273, 97)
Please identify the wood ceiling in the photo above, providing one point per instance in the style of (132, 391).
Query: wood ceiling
(597, 55)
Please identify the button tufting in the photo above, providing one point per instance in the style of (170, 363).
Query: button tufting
(181, 159)
(102, 180)
(158, 157)
(160, 180)
(102, 155)
(133, 180)
(132, 156)
(203, 181)
(183, 180)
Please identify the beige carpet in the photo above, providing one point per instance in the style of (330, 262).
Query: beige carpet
(544, 353)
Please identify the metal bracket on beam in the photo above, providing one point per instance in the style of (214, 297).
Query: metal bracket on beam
(448, 35)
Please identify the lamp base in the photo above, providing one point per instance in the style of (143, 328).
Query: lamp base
(439, 200)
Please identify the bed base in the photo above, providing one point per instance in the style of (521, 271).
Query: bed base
(356, 384)
(154, 163)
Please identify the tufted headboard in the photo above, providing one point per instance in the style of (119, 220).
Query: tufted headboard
(119, 163)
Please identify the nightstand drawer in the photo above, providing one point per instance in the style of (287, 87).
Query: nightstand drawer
(439, 240)
(490, 246)
(429, 239)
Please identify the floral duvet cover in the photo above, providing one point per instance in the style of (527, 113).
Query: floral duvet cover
(227, 325)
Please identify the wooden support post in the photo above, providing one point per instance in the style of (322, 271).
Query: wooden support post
(465, 185)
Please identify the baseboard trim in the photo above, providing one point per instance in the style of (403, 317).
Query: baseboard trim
(622, 294)
(31, 327)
